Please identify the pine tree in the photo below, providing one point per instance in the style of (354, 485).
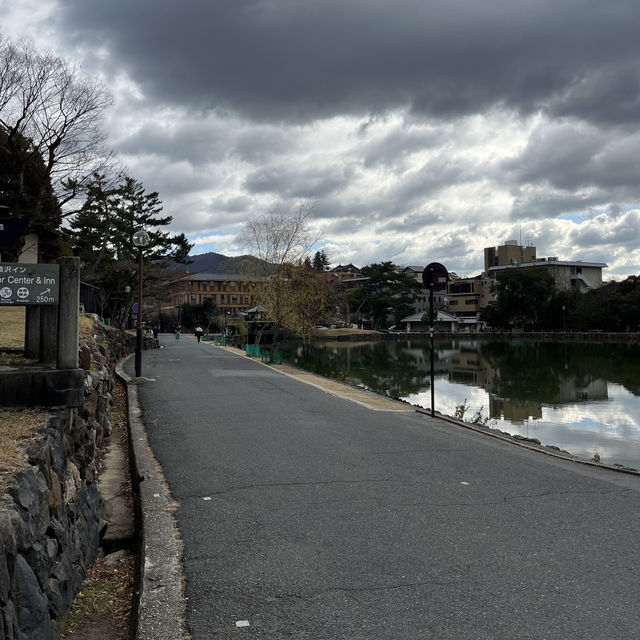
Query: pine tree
(101, 234)
(320, 261)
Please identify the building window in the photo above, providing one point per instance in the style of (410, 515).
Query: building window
(462, 287)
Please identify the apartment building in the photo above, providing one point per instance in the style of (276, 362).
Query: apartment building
(468, 296)
(568, 275)
(510, 253)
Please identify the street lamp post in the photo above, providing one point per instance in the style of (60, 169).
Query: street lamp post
(140, 239)
(435, 277)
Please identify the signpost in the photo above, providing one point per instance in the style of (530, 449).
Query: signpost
(23, 284)
(435, 278)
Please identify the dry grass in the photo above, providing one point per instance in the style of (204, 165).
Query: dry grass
(12, 326)
(345, 332)
(16, 430)
(86, 328)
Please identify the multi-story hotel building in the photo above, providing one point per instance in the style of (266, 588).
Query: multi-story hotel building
(468, 296)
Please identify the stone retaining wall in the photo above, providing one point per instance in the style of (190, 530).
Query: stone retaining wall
(50, 515)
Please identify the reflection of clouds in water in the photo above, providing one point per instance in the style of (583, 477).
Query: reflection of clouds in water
(448, 396)
(610, 428)
(617, 418)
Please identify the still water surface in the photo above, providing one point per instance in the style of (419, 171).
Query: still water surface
(583, 398)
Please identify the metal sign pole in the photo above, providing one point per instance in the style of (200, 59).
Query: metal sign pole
(434, 276)
(432, 353)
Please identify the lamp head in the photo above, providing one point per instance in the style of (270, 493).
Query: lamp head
(141, 239)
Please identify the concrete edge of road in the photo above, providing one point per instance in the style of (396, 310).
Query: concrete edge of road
(529, 444)
(161, 599)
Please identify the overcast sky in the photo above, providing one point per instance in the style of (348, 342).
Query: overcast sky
(420, 130)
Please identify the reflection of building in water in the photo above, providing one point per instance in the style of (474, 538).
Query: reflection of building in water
(467, 366)
(572, 390)
(515, 411)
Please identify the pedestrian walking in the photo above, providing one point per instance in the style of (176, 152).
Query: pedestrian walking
(199, 333)
(177, 333)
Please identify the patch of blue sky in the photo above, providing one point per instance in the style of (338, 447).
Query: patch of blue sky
(578, 218)
(612, 210)
(203, 243)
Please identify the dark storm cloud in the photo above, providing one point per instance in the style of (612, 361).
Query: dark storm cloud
(394, 149)
(624, 233)
(258, 146)
(546, 203)
(189, 141)
(571, 156)
(294, 182)
(288, 60)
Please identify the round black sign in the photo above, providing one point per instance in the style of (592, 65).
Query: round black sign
(435, 276)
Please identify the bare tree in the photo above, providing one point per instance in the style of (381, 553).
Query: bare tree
(312, 300)
(51, 109)
(281, 241)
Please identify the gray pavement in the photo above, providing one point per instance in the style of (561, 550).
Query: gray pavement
(305, 515)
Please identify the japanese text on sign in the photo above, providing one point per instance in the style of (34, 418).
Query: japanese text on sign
(27, 284)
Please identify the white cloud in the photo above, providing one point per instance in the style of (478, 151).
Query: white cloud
(412, 146)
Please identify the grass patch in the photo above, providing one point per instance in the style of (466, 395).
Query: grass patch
(12, 321)
(102, 609)
(16, 430)
(96, 597)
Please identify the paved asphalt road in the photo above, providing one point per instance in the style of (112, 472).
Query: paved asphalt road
(308, 516)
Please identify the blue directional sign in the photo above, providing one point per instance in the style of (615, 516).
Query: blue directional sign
(24, 284)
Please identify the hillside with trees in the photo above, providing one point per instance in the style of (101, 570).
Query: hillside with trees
(212, 262)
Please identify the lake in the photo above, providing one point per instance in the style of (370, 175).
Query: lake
(583, 398)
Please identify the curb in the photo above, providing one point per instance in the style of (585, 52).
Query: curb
(525, 444)
(161, 600)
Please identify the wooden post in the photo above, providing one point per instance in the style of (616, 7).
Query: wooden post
(68, 312)
(32, 340)
(49, 334)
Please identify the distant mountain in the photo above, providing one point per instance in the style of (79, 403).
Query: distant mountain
(213, 262)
